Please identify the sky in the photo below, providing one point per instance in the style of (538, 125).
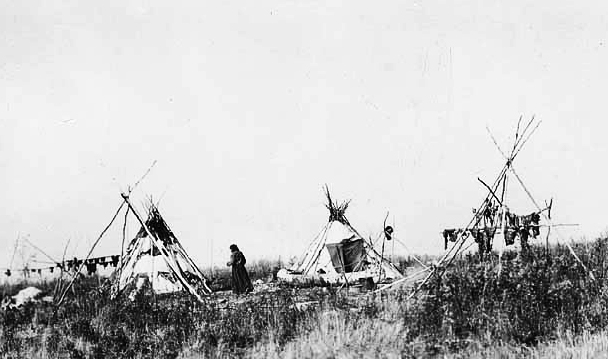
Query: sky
(249, 108)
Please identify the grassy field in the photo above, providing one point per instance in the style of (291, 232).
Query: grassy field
(541, 305)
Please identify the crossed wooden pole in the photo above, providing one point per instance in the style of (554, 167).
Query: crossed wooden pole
(521, 138)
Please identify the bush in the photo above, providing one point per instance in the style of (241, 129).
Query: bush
(533, 298)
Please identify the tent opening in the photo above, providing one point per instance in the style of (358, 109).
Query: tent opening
(347, 255)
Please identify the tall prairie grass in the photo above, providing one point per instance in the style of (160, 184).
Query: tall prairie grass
(542, 304)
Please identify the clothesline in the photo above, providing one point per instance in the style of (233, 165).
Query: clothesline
(516, 227)
(91, 265)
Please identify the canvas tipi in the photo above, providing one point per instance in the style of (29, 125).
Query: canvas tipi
(340, 254)
(156, 255)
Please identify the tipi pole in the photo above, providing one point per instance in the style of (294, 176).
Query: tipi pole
(509, 162)
(39, 250)
(455, 249)
(318, 249)
(491, 191)
(313, 244)
(151, 274)
(343, 271)
(185, 254)
(505, 184)
(393, 252)
(58, 286)
(122, 245)
(382, 260)
(14, 251)
(527, 138)
(143, 176)
(371, 247)
(382, 254)
(547, 242)
(410, 252)
(65, 291)
(516, 134)
(551, 223)
(401, 280)
(521, 135)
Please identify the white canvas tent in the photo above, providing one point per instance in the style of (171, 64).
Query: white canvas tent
(340, 254)
(156, 255)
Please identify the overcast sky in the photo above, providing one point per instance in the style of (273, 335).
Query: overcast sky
(250, 107)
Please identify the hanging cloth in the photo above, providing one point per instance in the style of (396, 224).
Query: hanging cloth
(510, 235)
(524, 234)
(489, 233)
(115, 259)
(76, 263)
(91, 267)
(477, 235)
(489, 213)
(534, 224)
(513, 220)
(450, 235)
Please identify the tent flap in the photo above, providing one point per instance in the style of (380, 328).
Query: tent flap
(347, 255)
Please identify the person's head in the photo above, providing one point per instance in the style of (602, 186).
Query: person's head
(234, 248)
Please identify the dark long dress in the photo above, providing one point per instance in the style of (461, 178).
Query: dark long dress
(240, 278)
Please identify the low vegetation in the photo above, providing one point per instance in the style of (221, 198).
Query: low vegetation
(542, 304)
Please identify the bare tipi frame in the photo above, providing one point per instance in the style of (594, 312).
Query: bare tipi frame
(494, 205)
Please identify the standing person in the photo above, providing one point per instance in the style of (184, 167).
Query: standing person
(240, 279)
